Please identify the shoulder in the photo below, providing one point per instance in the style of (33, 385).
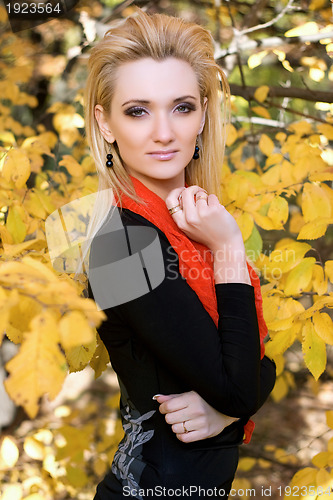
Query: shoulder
(125, 233)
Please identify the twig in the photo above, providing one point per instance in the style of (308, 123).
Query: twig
(269, 23)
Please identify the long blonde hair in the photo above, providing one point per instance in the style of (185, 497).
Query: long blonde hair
(157, 36)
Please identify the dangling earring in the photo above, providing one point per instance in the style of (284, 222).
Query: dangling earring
(196, 152)
(109, 156)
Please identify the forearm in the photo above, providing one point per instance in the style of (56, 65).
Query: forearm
(230, 264)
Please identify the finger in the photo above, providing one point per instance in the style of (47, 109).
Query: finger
(172, 199)
(173, 405)
(161, 398)
(177, 417)
(178, 428)
(213, 200)
(201, 197)
(189, 203)
(190, 437)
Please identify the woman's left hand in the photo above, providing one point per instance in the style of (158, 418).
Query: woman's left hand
(190, 417)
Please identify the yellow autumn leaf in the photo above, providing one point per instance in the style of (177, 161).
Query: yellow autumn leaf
(324, 301)
(7, 138)
(245, 224)
(321, 176)
(287, 66)
(255, 59)
(100, 359)
(16, 167)
(231, 134)
(43, 269)
(300, 128)
(11, 251)
(34, 449)
(263, 221)
(288, 253)
(329, 269)
(76, 476)
(261, 93)
(315, 202)
(261, 111)
(304, 477)
(12, 492)
(319, 282)
(272, 176)
(79, 356)
(300, 276)
(296, 222)
(9, 453)
(75, 330)
(273, 159)
(278, 211)
(73, 167)
(34, 206)
(314, 350)
(246, 463)
(320, 460)
(39, 367)
(323, 326)
(266, 145)
(238, 190)
(280, 342)
(316, 74)
(45, 200)
(280, 389)
(309, 28)
(314, 229)
(15, 225)
(20, 316)
(324, 480)
(326, 130)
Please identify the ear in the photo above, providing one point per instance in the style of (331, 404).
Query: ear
(204, 108)
(103, 124)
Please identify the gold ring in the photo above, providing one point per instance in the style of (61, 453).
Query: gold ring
(174, 209)
(202, 197)
(185, 430)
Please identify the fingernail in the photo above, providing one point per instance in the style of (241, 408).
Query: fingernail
(156, 396)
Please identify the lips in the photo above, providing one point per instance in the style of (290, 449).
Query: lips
(163, 155)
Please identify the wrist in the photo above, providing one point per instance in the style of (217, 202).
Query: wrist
(231, 249)
(231, 268)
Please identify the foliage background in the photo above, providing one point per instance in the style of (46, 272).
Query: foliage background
(277, 182)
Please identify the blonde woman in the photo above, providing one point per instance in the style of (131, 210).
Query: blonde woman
(186, 343)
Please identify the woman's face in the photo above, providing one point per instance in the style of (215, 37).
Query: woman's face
(155, 118)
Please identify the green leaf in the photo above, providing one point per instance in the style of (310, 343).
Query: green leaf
(253, 245)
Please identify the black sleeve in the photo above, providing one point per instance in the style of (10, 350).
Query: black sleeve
(221, 364)
(267, 379)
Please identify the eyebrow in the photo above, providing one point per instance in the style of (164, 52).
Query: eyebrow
(142, 101)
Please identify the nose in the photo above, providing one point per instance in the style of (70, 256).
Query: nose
(162, 129)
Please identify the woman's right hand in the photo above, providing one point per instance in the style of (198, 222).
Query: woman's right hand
(204, 219)
(189, 411)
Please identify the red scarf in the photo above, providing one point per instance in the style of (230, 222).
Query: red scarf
(197, 267)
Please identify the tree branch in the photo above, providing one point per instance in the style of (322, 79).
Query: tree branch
(305, 94)
(247, 44)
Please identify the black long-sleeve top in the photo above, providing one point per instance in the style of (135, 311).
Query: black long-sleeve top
(166, 342)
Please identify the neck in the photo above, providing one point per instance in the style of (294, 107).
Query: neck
(161, 187)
